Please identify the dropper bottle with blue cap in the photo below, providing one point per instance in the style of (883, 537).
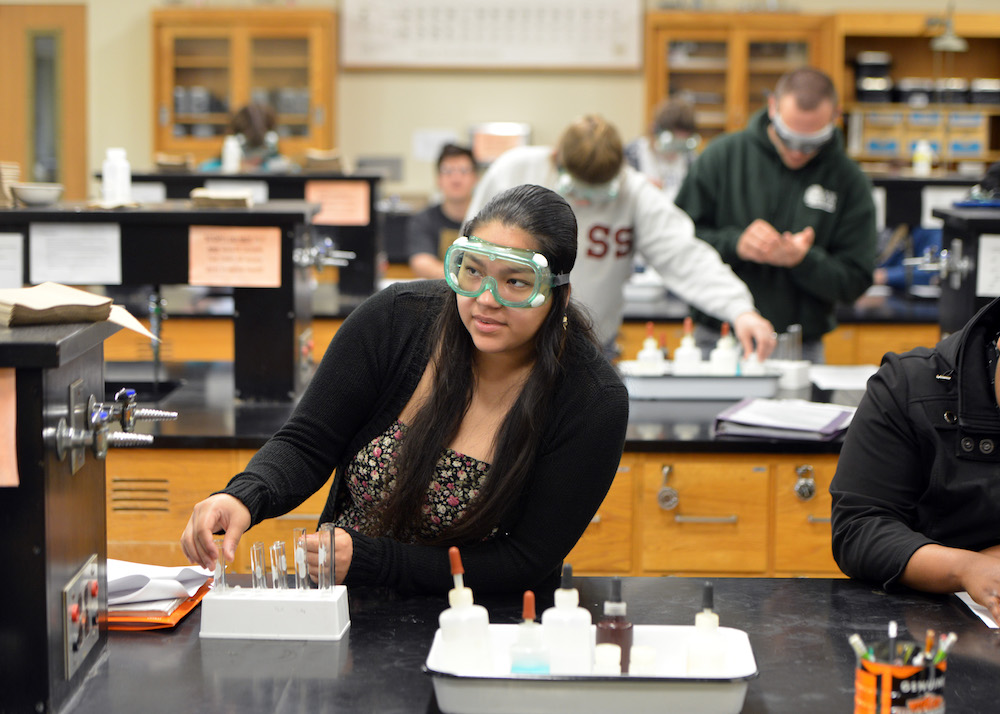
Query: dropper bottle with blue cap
(528, 654)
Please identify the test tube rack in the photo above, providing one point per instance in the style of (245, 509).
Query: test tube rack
(272, 614)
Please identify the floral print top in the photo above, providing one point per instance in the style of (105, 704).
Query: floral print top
(371, 476)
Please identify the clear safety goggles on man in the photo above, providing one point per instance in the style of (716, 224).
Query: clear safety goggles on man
(577, 191)
(516, 277)
(797, 141)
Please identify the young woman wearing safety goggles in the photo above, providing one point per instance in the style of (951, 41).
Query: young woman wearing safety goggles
(481, 414)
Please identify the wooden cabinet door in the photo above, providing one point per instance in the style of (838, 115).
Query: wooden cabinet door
(606, 546)
(280, 528)
(150, 494)
(802, 515)
(704, 514)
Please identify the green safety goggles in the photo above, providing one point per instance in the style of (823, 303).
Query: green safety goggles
(516, 277)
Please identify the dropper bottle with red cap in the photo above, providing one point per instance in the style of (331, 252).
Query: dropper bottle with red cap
(528, 654)
(465, 633)
(687, 356)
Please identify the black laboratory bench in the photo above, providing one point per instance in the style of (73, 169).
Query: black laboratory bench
(271, 324)
(357, 231)
(798, 629)
(209, 418)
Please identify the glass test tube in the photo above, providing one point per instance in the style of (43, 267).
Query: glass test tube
(301, 564)
(220, 566)
(279, 566)
(257, 565)
(327, 577)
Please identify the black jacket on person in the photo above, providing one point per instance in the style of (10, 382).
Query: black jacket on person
(921, 461)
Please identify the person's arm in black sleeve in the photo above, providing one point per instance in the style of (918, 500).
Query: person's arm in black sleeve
(881, 474)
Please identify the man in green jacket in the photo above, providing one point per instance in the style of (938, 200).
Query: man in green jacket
(788, 210)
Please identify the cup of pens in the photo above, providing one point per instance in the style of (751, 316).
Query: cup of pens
(897, 674)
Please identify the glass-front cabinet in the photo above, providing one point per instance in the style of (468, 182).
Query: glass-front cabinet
(210, 63)
(727, 63)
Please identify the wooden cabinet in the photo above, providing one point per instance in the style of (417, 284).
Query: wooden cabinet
(728, 61)
(802, 515)
(887, 131)
(150, 494)
(700, 514)
(606, 546)
(208, 63)
(865, 343)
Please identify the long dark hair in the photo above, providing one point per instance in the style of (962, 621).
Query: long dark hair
(549, 219)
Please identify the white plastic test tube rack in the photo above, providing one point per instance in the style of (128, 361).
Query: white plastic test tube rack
(279, 613)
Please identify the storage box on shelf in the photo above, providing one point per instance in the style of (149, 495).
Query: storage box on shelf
(933, 91)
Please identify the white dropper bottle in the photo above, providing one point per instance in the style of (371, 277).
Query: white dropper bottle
(724, 358)
(706, 656)
(568, 630)
(650, 351)
(465, 634)
(687, 356)
(528, 654)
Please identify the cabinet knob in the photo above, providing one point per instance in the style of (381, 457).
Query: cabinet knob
(667, 496)
(805, 485)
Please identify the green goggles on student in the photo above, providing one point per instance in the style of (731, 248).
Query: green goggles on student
(516, 277)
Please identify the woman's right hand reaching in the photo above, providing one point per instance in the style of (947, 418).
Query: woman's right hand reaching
(220, 512)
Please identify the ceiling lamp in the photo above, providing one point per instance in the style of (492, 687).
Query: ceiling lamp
(947, 41)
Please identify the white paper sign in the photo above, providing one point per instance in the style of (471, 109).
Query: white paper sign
(988, 266)
(256, 189)
(932, 197)
(75, 253)
(149, 191)
(11, 260)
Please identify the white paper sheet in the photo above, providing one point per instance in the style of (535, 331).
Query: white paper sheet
(842, 377)
(138, 582)
(981, 612)
(11, 260)
(75, 253)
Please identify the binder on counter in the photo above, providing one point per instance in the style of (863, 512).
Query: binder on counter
(792, 419)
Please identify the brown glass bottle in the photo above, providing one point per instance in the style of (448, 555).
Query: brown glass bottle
(614, 627)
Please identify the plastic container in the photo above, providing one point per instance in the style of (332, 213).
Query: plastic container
(706, 653)
(668, 689)
(568, 630)
(874, 89)
(116, 178)
(952, 90)
(687, 356)
(872, 64)
(724, 358)
(915, 91)
(528, 654)
(923, 158)
(232, 155)
(983, 90)
(650, 351)
(464, 627)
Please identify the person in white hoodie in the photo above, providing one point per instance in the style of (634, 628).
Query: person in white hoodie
(620, 213)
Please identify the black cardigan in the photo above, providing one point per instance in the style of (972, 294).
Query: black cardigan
(363, 382)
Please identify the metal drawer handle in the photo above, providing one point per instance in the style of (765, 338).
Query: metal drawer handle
(297, 517)
(817, 519)
(705, 519)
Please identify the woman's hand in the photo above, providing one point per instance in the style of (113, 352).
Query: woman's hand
(343, 547)
(220, 512)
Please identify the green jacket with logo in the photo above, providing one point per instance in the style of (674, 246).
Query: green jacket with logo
(740, 177)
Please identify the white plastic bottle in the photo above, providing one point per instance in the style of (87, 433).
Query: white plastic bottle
(116, 178)
(706, 654)
(923, 158)
(687, 356)
(232, 155)
(528, 654)
(723, 360)
(650, 351)
(607, 659)
(465, 634)
(568, 630)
